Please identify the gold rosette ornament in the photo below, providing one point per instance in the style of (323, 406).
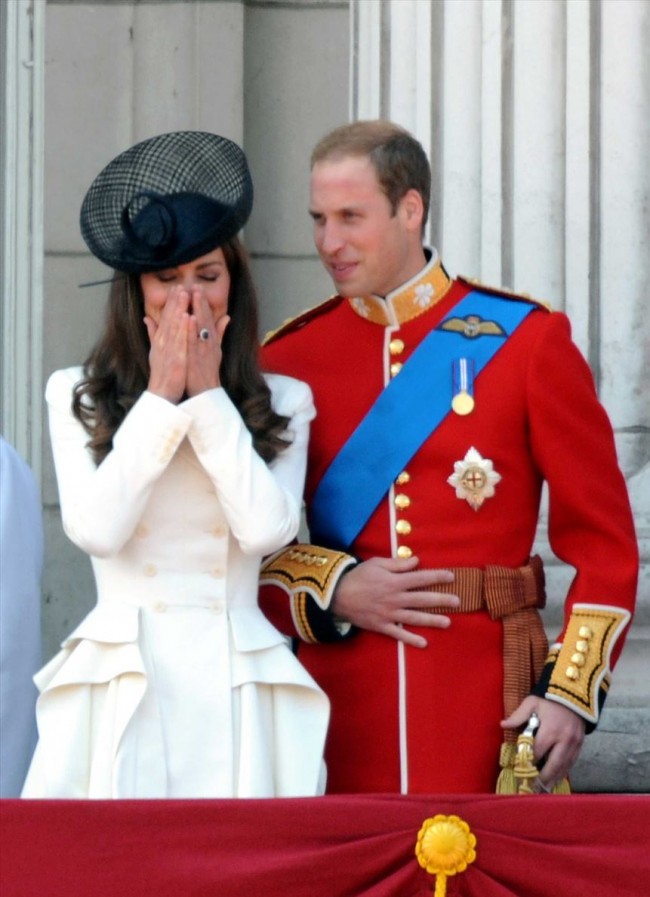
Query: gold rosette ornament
(445, 846)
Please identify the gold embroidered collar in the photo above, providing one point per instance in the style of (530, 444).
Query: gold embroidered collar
(408, 301)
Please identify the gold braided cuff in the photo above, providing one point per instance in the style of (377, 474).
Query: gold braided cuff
(581, 669)
(309, 575)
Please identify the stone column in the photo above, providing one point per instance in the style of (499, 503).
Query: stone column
(21, 224)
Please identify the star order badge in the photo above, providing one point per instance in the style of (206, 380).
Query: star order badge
(474, 478)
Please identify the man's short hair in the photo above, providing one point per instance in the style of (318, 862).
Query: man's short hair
(397, 157)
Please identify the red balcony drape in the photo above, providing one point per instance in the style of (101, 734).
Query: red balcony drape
(339, 846)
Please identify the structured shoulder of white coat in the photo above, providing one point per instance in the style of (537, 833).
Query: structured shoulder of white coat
(300, 320)
(62, 382)
(289, 394)
(504, 292)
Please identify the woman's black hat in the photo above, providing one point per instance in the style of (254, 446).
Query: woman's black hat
(166, 201)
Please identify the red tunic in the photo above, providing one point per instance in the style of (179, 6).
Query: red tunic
(427, 720)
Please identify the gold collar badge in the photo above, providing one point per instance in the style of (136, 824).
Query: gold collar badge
(474, 479)
(409, 300)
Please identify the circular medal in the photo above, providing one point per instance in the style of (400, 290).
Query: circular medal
(462, 403)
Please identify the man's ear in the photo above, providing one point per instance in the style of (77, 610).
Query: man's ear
(412, 209)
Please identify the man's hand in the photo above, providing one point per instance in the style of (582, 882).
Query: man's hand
(385, 594)
(558, 739)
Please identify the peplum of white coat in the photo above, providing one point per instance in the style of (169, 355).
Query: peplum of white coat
(175, 684)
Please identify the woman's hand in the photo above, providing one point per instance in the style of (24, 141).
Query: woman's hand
(204, 352)
(168, 357)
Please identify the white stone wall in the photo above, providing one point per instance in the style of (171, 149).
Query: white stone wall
(536, 116)
(296, 88)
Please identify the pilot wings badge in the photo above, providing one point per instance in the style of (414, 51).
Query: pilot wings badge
(472, 326)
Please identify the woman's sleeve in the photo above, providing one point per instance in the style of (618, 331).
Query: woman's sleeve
(261, 501)
(101, 506)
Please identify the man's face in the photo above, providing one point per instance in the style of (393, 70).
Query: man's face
(365, 247)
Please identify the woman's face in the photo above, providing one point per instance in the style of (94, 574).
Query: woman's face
(209, 273)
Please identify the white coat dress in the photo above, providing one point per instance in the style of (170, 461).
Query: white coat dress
(175, 684)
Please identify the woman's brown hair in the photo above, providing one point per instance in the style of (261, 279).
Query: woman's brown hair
(116, 372)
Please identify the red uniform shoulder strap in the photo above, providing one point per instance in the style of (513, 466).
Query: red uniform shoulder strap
(502, 291)
(300, 320)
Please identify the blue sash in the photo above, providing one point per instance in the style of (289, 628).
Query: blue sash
(404, 414)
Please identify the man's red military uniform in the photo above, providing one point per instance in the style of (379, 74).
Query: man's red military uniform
(427, 720)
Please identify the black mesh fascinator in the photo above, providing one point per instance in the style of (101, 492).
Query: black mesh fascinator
(166, 201)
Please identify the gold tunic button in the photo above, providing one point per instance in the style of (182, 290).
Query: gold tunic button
(150, 570)
(582, 645)
(403, 527)
(403, 478)
(578, 659)
(396, 346)
(160, 607)
(572, 672)
(402, 501)
(142, 531)
(217, 572)
(219, 531)
(404, 552)
(585, 632)
(395, 368)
